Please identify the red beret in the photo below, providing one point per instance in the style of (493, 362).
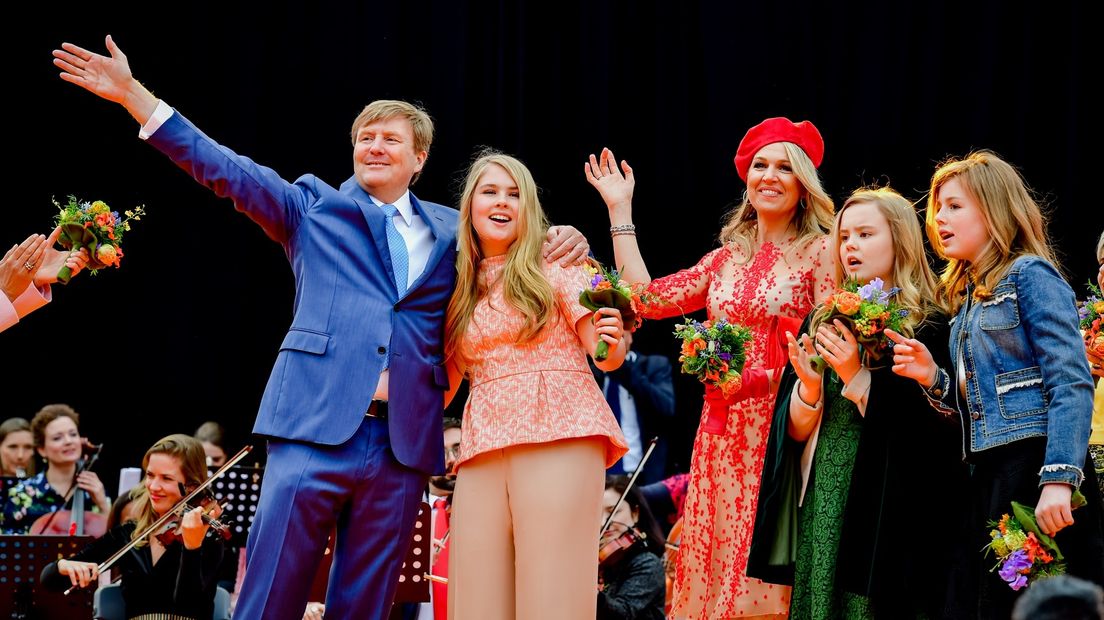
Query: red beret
(779, 129)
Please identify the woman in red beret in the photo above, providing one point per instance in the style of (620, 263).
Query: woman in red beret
(773, 265)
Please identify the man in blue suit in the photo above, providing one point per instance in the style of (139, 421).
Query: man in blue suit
(353, 406)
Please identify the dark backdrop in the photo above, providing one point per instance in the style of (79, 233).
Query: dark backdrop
(188, 329)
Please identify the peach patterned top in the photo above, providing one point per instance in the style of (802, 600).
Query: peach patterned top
(537, 391)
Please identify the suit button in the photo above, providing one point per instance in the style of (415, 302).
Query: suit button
(381, 350)
(975, 415)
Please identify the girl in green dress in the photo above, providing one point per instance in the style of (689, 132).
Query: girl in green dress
(856, 454)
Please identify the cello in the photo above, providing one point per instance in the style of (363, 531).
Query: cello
(75, 521)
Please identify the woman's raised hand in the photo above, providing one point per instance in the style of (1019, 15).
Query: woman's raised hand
(615, 185)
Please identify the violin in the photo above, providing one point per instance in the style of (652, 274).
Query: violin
(77, 521)
(173, 531)
(616, 548)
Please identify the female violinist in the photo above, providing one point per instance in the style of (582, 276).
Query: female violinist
(57, 440)
(630, 567)
(175, 579)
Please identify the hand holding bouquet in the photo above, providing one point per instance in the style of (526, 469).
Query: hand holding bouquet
(714, 352)
(606, 289)
(1024, 553)
(867, 310)
(93, 225)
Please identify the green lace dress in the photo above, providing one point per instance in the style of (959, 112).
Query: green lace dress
(816, 595)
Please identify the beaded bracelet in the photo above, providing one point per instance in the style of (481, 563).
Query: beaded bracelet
(622, 228)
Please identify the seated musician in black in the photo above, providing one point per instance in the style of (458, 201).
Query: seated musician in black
(173, 576)
(630, 568)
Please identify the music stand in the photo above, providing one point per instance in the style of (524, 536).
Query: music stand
(413, 586)
(237, 492)
(22, 559)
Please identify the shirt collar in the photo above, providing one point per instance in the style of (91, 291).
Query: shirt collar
(403, 204)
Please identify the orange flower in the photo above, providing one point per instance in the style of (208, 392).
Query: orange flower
(108, 255)
(1035, 549)
(730, 386)
(847, 302)
(688, 348)
(603, 285)
(1098, 346)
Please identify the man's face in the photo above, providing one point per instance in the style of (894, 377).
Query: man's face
(447, 482)
(384, 159)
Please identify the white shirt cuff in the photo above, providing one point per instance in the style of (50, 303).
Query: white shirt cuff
(160, 114)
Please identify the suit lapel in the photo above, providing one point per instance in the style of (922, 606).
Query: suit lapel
(440, 238)
(374, 217)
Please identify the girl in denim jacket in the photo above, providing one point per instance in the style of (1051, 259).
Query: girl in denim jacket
(1018, 377)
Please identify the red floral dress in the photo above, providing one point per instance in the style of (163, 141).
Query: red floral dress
(725, 468)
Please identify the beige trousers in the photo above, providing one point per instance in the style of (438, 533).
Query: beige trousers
(524, 541)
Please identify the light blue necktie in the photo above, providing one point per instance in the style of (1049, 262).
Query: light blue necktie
(400, 260)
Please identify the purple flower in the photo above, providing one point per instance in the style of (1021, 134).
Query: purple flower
(873, 292)
(903, 312)
(595, 280)
(1010, 570)
(724, 356)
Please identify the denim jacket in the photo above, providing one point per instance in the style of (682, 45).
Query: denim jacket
(1025, 367)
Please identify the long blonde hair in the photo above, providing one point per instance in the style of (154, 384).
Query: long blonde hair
(193, 465)
(911, 271)
(525, 286)
(1014, 222)
(813, 217)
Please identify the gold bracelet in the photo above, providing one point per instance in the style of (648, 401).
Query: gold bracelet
(623, 232)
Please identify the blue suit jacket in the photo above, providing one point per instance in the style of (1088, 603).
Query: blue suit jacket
(348, 318)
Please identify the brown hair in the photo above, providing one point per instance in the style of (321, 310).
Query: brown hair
(383, 109)
(48, 414)
(193, 465)
(1014, 222)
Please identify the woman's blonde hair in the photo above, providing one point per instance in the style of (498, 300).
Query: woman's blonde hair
(812, 218)
(911, 272)
(524, 284)
(1014, 222)
(188, 451)
(1100, 249)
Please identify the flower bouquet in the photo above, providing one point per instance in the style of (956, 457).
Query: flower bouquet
(867, 310)
(714, 352)
(1091, 312)
(1024, 553)
(95, 226)
(606, 289)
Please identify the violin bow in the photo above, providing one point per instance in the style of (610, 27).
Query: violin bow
(169, 514)
(632, 481)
